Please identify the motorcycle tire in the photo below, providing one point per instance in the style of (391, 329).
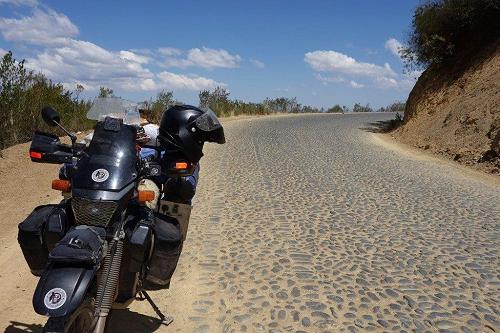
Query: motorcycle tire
(81, 321)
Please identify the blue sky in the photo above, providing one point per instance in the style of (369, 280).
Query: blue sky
(322, 52)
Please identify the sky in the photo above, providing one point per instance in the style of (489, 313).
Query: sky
(322, 52)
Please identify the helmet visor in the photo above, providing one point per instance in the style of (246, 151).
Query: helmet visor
(208, 121)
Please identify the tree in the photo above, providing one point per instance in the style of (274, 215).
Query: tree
(79, 89)
(335, 109)
(441, 28)
(14, 78)
(359, 108)
(23, 94)
(163, 101)
(105, 92)
(217, 100)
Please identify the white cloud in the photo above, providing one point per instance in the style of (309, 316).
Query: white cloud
(332, 61)
(204, 57)
(2, 52)
(347, 69)
(66, 59)
(329, 79)
(211, 58)
(134, 57)
(356, 85)
(258, 64)
(88, 63)
(394, 46)
(44, 27)
(169, 51)
(175, 62)
(170, 80)
(30, 3)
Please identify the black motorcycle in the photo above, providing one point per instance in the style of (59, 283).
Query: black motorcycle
(102, 244)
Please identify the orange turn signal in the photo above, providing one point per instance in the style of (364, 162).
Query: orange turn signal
(181, 165)
(35, 154)
(144, 196)
(61, 185)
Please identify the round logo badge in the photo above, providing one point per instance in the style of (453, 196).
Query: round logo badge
(55, 298)
(100, 175)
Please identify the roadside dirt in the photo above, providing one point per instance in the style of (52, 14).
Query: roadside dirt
(389, 142)
(23, 185)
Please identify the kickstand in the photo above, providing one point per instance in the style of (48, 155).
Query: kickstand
(165, 320)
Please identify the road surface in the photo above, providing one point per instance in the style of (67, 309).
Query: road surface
(306, 223)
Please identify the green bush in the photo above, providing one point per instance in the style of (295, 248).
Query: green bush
(153, 110)
(23, 94)
(335, 109)
(441, 28)
(360, 108)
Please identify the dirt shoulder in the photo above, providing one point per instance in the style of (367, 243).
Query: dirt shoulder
(389, 142)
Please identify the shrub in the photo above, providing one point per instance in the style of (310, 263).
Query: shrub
(360, 108)
(153, 110)
(335, 109)
(440, 28)
(23, 94)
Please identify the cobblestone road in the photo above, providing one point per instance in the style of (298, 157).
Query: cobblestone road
(304, 224)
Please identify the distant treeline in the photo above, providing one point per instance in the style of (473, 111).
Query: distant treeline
(218, 100)
(24, 93)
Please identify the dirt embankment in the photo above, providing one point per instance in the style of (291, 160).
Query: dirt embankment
(455, 111)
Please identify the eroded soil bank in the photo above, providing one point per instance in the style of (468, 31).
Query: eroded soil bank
(455, 111)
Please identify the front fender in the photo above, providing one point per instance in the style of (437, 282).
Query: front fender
(61, 290)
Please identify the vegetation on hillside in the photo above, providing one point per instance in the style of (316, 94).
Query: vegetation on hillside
(22, 96)
(442, 28)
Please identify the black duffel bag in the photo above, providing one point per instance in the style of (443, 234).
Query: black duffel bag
(166, 252)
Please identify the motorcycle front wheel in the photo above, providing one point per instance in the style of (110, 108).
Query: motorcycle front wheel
(81, 321)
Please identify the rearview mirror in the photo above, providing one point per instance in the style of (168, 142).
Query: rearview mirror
(47, 148)
(50, 116)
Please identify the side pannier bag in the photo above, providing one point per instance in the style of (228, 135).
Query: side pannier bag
(166, 252)
(31, 239)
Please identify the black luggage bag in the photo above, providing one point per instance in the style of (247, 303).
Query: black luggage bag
(39, 232)
(167, 250)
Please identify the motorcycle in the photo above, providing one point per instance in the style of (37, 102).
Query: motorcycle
(100, 247)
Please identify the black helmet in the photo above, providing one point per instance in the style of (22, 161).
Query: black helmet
(186, 128)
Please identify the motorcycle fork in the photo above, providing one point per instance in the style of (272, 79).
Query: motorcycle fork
(108, 283)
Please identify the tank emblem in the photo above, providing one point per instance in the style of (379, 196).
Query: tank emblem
(100, 175)
(55, 298)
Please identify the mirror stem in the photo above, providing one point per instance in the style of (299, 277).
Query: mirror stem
(71, 135)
